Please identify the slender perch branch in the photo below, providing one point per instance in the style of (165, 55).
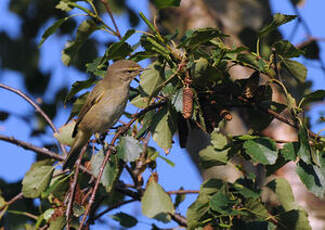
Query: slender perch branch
(121, 131)
(108, 9)
(37, 149)
(37, 108)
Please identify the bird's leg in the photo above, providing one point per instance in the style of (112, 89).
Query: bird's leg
(112, 148)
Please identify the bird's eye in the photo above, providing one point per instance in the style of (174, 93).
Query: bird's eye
(130, 71)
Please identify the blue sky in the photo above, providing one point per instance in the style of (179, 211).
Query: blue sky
(16, 161)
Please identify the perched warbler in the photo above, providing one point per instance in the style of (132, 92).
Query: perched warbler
(104, 106)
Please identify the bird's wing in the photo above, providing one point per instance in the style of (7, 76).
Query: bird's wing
(93, 98)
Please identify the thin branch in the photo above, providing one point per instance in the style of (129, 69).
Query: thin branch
(13, 200)
(37, 108)
(37, 149)
(108, 9)
(178, 218)
(120, 131)
(73, 187)
(119, 204)
(181, 192)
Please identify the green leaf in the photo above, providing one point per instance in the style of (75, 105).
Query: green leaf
(304, 151)
(297, 69)
(200, 36)
(163, 128)
(278, 20)
(111, 170)
(58, 187)
(156, 203)
(313, 177)
(77, 86)
(48, 214)
(318, 95)
(64, 6)
(85, 29)
(220, 203)
(64, 136)
(255, 207)
(37, 179)
(262, 150)
(210, 157)
(218, 140)
(296, 218)
(197, 210)
(154, 46)
(177, 100)
(129, 149)
(95, 67)
(160, 4)
(289, 151)
(151, 78)
(283, 191)
(51, 30)
(286, 49)
(125, 220)
(167, 160)
(311, 49)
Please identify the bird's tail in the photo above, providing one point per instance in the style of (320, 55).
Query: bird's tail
(80, 141)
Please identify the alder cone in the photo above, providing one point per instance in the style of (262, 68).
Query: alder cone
(187, 102)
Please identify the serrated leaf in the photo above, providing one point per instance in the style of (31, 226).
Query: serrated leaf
(129, 149)
(283, 191)
(77, 86)
(58, 187)
(177, 100)
(210, 157)
(218, 140)
(125, 220)
(85, 29)
(51, 30)
(163, 128)
(297, 218)
(289, 151)
(151, 78)
(64, 136)
(278, 20)
(313, 177)
(286, 49)
(261, 150)
(156, 203)
(37, 179)
(95, 67)
(160, 4)
(197, 210)
(297, 69)
(220, 203)
(311, 49)
(200, 36)
(304, 151)
(111, 170)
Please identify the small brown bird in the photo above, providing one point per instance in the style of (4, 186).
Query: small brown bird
(104, 106)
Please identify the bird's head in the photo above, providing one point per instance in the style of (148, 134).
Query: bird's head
(123, 70)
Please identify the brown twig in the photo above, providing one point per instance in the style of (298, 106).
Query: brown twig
(13, 200)
(37, 149)
(181, 192)
(181, 220)
(108, 9)
(73, 187)
(37, 108)
(120, 131)
(119, 204)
